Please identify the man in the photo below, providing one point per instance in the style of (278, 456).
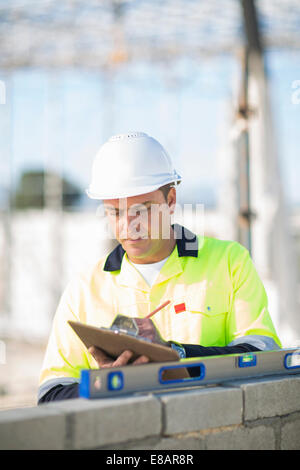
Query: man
(218, 303)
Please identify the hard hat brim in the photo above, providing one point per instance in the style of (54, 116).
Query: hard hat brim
(128, 192)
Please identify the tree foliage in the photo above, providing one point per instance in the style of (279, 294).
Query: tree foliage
(36, 189)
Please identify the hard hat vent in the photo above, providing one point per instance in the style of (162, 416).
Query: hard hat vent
(132, 135)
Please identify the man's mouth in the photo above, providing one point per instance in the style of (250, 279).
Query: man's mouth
(136, 238)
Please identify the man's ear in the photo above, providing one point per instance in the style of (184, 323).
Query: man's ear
(172, 200)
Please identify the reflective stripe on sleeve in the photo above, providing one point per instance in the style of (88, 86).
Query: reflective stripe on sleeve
(264, 343)
(51, 383)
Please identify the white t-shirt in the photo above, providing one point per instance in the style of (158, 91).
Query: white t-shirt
(150, 271)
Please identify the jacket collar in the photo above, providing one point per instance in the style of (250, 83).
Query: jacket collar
(186, 241)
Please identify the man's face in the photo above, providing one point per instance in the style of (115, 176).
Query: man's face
(142, 223)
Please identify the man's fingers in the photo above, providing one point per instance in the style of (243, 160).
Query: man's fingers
(141, 360)
(123, 359)
(100, 355)
(105, 361)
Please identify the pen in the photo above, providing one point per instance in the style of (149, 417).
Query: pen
(158, 309)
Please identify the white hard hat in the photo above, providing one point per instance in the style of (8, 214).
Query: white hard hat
(129, 165)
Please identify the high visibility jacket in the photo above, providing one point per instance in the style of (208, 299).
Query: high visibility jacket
(217, 298)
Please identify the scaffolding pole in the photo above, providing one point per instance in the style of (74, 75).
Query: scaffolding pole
(271, 243)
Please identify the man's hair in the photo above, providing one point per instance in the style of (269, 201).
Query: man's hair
(165, 189)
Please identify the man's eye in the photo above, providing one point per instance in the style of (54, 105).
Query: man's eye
(112, 212)
(142, 210)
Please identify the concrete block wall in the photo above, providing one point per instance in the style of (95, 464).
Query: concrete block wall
(243, 414)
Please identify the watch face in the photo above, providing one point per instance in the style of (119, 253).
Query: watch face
(181, 352)
(179, 349)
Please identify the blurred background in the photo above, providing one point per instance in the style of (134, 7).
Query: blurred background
(216, 82)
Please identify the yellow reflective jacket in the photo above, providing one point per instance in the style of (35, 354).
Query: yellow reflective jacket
(216, 297)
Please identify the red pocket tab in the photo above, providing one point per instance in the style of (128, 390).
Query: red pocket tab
(180, 308)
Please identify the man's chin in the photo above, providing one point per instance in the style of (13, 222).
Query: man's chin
(135, 244)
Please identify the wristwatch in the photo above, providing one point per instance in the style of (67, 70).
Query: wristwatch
(180, 349)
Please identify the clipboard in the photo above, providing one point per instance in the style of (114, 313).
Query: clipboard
(115, 342)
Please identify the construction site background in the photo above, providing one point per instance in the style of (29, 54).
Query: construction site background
(217, 83)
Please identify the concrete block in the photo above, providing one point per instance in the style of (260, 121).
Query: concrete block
(181, 443)
(290, 433)
(32, 429)
(96, 423)
(200, 409)
(269, 396)
(178, 442)
(242, 438)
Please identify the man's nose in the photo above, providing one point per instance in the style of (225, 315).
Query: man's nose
(128, 223)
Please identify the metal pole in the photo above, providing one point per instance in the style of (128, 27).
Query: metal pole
(244, 232)
(273, 252)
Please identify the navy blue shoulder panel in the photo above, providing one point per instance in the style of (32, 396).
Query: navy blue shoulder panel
(187, 245)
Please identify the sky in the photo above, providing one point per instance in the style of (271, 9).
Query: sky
(58, 119)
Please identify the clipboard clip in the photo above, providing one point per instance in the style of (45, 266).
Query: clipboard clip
(128, 326)
(125, 325)
(140, 328)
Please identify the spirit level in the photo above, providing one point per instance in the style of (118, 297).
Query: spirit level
(98, 383)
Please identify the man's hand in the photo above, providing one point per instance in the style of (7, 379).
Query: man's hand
(105, 361)
(148, 330)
